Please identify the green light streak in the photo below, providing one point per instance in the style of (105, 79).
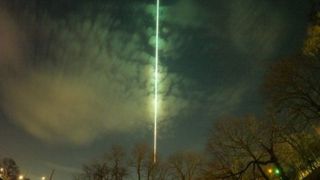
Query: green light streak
(156, 73)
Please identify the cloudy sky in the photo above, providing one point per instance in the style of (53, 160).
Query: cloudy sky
(77, 76)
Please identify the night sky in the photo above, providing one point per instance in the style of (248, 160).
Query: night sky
(76, 75)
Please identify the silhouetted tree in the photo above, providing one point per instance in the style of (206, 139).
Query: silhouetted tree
(95, 171)
(111, 167)
(118, 163)
(149, 169)
(293, 86)
(293, 89)
(185, 165)
(140, 155)
(10, 169)
(242, 147)
(144, 165)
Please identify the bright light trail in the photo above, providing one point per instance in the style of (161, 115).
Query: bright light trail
(156, 73)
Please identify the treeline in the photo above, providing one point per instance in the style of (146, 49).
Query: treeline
(139, 164)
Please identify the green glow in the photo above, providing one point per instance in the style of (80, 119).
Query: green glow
(156, 84)
(277, 171)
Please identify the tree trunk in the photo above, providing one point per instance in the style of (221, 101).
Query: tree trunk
(262, 172)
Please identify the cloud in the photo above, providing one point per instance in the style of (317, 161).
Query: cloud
(247, 24)
(225, 100)
(91, 78)
(253, 28)
(90, 82)
(185, 13)
(182, 13)
(11, 41)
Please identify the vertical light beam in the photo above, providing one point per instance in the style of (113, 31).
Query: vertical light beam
(156, 73)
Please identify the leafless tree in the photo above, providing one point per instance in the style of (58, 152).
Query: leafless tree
(118, 163)
(95, 171)
(242, 148)
(9, 169)
(185, 165)
(111, 167)
(293, 87)
(140, 155)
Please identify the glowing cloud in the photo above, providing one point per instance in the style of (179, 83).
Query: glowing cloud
(93, 83)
